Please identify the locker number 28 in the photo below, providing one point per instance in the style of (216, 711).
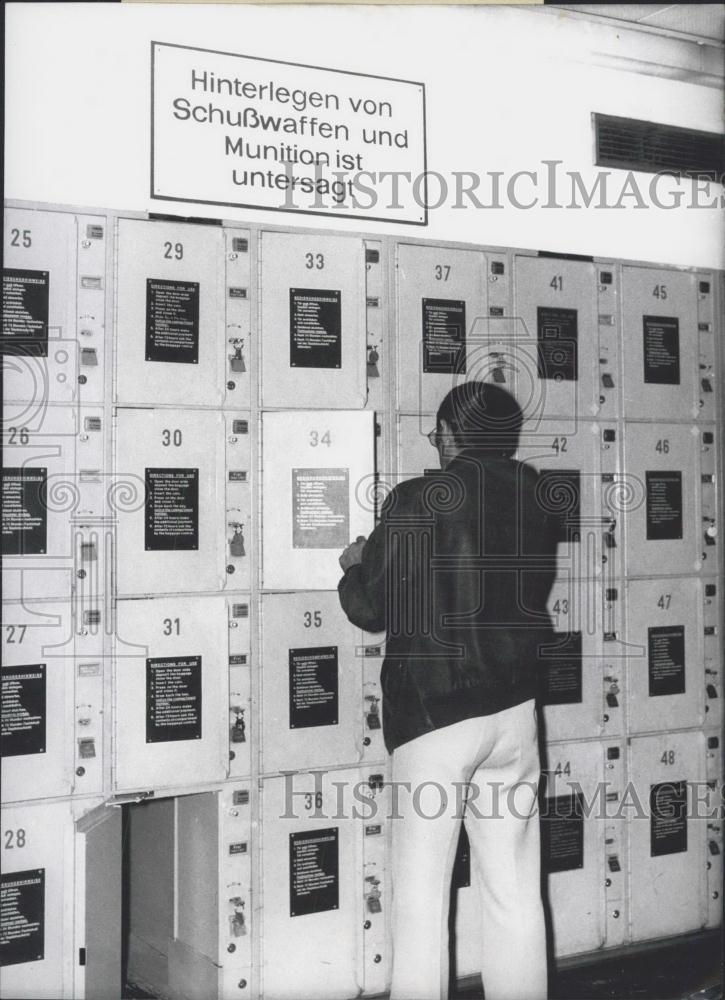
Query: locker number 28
(14, 838)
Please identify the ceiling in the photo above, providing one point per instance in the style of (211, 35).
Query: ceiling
(700, 20)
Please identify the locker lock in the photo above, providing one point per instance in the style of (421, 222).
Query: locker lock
(238, 730)
(236, 543)
(236, 360)
(372, 716)
(372, 899)
(237, 923)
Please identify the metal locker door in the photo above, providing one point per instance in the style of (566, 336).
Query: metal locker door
(570, 670)
(172, 531)
(665, 655)
(662, 516)
(52, 481)
(39, 307)
(441, 292)
(312, 701)
(318, 490)
(667, 837)
(171, 690)
(569, 459)
(99, 895)
(660, 343)
(322, 861)
(170, 343)
(313, 337)
(573, 847)
(38, 872)
(38, 701)
(557, 301)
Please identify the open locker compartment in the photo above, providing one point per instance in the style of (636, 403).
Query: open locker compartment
(187, 884)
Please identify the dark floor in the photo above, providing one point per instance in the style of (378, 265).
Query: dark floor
(686, 970)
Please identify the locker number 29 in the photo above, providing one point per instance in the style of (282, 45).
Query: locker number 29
(173, 251)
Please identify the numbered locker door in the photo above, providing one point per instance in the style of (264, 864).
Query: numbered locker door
(41, 489)
(312, 672)
(660, 343)
(318, 491)
(573, 847)
(37, 701)
(569, 465)
(667, 839)
(170, 493)
(39, 307)
(323, 875)
(570, 668)
(557, 302)
(441, 293)
(313, 339)
(171, 692)
(36, 885)
(662, 515)
(170, 339)
(665, 678)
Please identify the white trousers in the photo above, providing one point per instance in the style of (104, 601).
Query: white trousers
(498, 755)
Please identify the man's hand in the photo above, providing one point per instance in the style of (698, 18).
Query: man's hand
(352, 555)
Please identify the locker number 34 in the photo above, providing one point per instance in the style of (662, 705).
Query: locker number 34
(316, 439)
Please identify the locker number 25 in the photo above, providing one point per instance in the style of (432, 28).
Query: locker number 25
(21, 238)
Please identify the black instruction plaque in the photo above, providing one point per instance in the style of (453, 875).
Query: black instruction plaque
(664, 505)
(172, 321)
(173, 699)
(320, 508)
(668, 818)
(315, 328)
(560, 671)
(22, 917)
(661, 347)
(23, 709)
(171, 516)
(666, 659)
(557, 332)
(562, 833)
(25, 312)
(444, 336)
(24, 511)
(314, 871)
(313, 687)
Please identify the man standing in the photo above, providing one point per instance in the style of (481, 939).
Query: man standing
(458, 572)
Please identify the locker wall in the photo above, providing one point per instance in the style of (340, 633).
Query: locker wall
(260, 391)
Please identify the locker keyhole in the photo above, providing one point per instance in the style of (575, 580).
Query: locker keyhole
(373, 358)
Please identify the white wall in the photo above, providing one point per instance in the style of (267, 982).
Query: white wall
(506, 89)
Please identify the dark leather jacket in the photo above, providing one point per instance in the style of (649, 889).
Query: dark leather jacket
(457, 572)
